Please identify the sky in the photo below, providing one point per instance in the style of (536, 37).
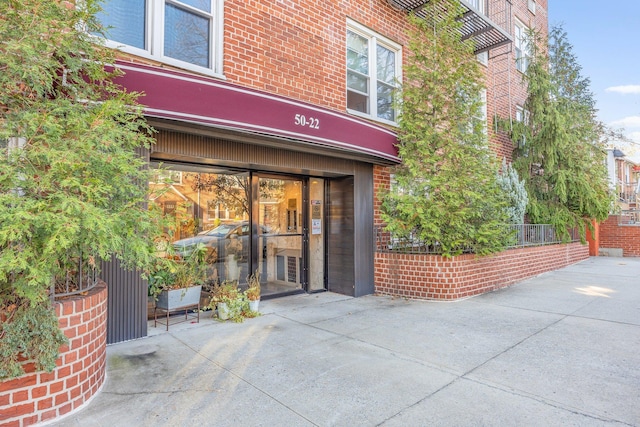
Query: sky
(605, 38)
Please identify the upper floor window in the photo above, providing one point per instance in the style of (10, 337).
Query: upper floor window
(185, 33)
(523, 48)
(479, 5)
(373, 69)
(482, 114)
(483, 58)
(522, 116)
(532, 6)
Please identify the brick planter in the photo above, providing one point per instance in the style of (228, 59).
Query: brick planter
(40, 396)
(439, 278)
(624, 238)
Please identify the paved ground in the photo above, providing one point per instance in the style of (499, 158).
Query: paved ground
(559, 349)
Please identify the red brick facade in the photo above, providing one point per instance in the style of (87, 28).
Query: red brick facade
(297, 49)
(40, 396)
(439, 278)
(625, 237)
(436, 277)
(505, 87)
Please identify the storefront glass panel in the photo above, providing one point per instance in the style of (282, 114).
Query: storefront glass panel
(210, 209)
(280, 222)
(214, 207)
(316, 235)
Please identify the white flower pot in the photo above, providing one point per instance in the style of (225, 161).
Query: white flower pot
(253, 305)
(223, 311)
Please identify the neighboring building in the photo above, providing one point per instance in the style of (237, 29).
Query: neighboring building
(619, 235)
(278, 113)
(624, 177)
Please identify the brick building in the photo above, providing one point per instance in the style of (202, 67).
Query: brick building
(619, 235)
(274, 119)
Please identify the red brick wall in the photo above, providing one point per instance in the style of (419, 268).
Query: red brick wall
(625, 237)
(505, 87)
(80, 372)
(436, 277)
(297, 49)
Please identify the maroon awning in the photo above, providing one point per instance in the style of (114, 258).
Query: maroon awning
(198, 99)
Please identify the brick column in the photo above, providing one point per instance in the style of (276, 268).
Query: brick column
(80, 370)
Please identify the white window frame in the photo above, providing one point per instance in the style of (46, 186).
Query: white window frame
(14, 144)
(479, 5)
(483, 58)
(522, 116)
(154, 36)
(531, 4)
(483, 117)
(522, 47)
(375, 39)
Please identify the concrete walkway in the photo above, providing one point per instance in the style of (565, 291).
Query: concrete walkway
(559, 349)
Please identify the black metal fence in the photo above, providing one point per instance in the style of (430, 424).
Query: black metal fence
(75, 281)
(519, 236)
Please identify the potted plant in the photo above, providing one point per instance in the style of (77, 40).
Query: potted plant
(253, 291)
(232, 304)
(224, 298)
(176, 282)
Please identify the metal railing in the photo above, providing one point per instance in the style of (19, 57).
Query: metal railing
(628, 192)
(629, 217)
(520, 236)
(76, 281)
(524, 235)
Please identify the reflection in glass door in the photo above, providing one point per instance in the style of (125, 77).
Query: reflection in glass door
(205, 207)
(315, 275)
(281, 235)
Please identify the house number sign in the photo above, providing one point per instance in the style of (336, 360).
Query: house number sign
(310, 122)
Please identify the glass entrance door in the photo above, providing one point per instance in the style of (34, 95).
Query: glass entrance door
(316, 236)
(281, 232)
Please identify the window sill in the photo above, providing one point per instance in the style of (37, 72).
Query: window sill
(370, 117)
(181, 65)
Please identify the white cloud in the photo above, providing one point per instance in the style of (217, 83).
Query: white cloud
(635, 136)
(625, 90)
(628, 122)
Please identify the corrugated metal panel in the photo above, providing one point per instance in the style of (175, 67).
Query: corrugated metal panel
(127, 297)
(363, 229)
(126, 303)
(341, 237)
(209, 150)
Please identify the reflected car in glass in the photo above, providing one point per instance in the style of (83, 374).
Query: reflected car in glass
(225, 239)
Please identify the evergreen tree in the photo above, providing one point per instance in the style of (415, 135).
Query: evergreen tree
(559, 152)
(72, 188)
(445, 191)
(516, 193)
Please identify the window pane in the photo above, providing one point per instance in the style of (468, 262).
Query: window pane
(357, 53)
(204, 5)
(186, 226)
(385, 102)
(186, 36)
(478, 4)
(386, 64)
(357, 101)
(357, 82)
(126, 17)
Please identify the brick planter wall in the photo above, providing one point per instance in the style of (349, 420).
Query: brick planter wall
(625, 237)
(40, 396)
(439, 278)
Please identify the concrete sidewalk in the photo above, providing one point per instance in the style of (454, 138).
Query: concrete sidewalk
(559, 349)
